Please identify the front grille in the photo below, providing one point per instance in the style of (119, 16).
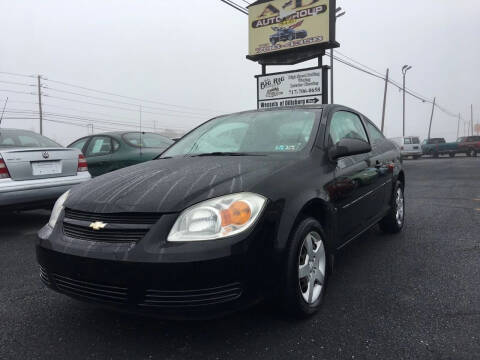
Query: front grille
(104, 235)
(118, 218)
(91, 291)
(192, 298)
(44, 276)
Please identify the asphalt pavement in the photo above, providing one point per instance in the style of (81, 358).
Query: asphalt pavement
(415, 295)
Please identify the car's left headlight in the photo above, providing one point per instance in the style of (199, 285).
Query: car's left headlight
(218, 218)
(57, 209)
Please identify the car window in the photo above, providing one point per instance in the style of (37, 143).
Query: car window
(19, 138)
(147, 140)
(100, 145)
(415, 140)
(346, 125)
(407, 141)
(116, 145)
(375, 134)
(79, 144)
(259, 132)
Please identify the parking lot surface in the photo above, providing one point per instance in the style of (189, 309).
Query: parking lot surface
(415, 295)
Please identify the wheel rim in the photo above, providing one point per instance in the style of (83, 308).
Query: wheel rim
(400, 206)
(311, 267)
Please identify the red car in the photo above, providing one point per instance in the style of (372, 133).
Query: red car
(470, 145)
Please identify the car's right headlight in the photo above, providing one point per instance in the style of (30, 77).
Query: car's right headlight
(57, 209)
(218, 218)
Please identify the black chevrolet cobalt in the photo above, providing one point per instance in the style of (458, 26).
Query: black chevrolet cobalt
(246, 207)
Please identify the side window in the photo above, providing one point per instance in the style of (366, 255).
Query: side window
(79, 144)
(346, 125)
(375, 134)
(116, 145)
(100, 145)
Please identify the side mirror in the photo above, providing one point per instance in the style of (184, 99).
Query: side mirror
(349, 147)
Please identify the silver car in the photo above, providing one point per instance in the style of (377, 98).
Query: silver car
(35, 171)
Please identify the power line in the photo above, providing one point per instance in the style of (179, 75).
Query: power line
(15, 83)
(16, 74)
(117, 101)
(123, 96)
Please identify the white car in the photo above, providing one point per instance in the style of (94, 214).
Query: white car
(35, 171)
(409, 146)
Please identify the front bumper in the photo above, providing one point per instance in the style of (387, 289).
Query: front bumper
(29, 193)
(180, 281)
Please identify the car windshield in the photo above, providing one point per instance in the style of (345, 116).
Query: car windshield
(24, 139)
(147, 140)
(249, 133)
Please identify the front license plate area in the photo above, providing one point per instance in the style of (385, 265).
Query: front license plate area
(41, 168)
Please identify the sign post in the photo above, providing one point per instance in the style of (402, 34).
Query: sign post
(288, 32)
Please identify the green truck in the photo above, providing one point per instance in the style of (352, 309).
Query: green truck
(438, 146)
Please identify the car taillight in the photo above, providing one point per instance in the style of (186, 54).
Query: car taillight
(4, 174)
(82, 164)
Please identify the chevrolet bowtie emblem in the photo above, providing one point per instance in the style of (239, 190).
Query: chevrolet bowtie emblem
(97, 225)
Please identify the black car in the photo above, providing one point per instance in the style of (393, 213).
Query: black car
(285, 34)
(246, 207)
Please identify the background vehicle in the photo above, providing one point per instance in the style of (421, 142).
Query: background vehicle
(244, 207)
(409, 146)
(438, 146)
(115, 150)
(284, 34)
(35, 171)
(470, 145)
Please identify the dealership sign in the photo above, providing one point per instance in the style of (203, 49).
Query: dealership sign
(291, 88)
(279, 25)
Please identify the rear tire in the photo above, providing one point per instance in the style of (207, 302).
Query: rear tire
(393, 222)
(306, 271)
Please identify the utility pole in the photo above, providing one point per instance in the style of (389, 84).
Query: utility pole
(458, 127)
(471, 110)
(331, 76)
(385, 100)
(405, 68)
(40, 103)
(431, 118)
(3, 111)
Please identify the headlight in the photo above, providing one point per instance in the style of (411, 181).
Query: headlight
(57, 209)
(218, 218)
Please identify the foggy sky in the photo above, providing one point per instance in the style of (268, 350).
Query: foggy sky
(192, 53)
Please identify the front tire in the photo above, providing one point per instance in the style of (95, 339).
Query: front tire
(306, 270)
(393, 222)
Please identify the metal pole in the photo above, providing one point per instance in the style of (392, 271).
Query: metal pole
(40, 103)
(458, 127)
(331, 76)
(3, 111)
(471, 109)
(385, 100)
(404, 104)
(431, 118)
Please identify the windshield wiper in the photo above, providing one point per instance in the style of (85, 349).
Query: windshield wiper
(219, 153)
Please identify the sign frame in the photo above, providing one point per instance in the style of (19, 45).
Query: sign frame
(324, 85)
(302, 53)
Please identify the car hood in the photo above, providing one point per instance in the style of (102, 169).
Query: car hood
(171, 185)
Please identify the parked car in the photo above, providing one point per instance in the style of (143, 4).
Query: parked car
(35, 171)
(216, 224)
(438, 146)
(115, 150)
(409, 146)
(470, 145)
(285, 34)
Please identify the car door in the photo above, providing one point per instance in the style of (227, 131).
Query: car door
(355, 178)
(99, 154)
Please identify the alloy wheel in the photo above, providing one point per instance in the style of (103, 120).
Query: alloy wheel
(311, 267)
(400, 206)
